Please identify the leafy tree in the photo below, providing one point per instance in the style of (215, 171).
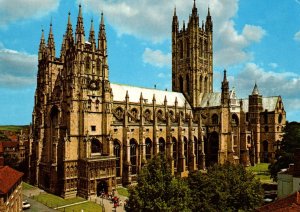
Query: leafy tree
(285, 155)
(158, 190)
(225, 187)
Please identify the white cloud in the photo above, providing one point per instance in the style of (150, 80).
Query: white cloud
(151, 20)
(253, 33)
(14, 10)
(156, 58)
(297, 36)
(273, 65)
(270, 83)
(17, 69)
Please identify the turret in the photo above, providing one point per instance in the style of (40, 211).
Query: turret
(102, 37)
(79, 35)
(194, 19)
(225, 97)
(42, 46)
(51, 44)
(92, 36)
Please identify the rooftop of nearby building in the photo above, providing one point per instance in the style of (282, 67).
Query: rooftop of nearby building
(289, 203)
(8, 178)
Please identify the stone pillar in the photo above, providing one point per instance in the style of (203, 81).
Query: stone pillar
(201, 162)
(181, 158)
(191, 146)
(127, 164)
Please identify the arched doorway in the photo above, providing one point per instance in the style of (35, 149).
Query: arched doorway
(162, 145)
(102, 187)
(133, 155)
(265, 152)
(148, 143)
(117, 150)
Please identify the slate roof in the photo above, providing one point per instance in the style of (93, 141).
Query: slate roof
(134, 93)
(8, 178)
(269, 103)
(211, 100)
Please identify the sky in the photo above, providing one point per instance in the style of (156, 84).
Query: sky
(255, 41)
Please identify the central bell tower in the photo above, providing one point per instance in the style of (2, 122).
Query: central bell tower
(192, 57)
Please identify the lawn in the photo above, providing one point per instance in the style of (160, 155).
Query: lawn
(53, 201)
(26, 186)
(13, 128)
(123, 191)
(86, 207)
(261, 172)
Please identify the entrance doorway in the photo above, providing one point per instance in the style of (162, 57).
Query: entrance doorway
(102, 187)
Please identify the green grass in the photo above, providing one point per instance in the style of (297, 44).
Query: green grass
(86, 207)
(53, 201)
(26, 186)
(123, 191)
(261, 172)
(262, 167)
(13, 128)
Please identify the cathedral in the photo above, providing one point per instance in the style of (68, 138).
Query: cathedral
(90, 135)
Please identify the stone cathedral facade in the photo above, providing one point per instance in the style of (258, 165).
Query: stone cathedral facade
(90, 135)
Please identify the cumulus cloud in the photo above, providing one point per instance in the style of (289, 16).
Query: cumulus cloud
(17, 69)
(14, 10)
(151, 20)
(156, 58)
(297, 36)
(273, 65)
(270, 83)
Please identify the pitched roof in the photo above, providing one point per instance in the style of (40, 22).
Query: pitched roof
(8, 178)
(269, 103)
(290, 203)
(211, 100)
(134, 93)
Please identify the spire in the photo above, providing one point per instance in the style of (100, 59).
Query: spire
(102, 37)
(51, 44)
(255, 90)
(175, 22)
(208, 23)
(194, 19)
(69, 33)
(42, 45)
(225, 96)
(92, 36)
(79, 38)
(194, 11)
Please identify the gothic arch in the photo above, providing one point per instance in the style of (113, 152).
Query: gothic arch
(211, 148)
(133, 155)
(181, 84)
(96, 146)
(235, 120)
(205, 85)
(265, 151)
(162, 145)
(117, 153)
(88, 65)
(149, 148)
(188, 84)
(215, 119)
(201, 84)
(175, 151)
(98, 67)
(185, 146)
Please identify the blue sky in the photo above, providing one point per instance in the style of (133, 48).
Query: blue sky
(256, 41)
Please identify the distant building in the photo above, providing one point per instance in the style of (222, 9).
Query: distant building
(289, 179)
(10, 188)
(90, 134)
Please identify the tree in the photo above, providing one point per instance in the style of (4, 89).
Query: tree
(158, 190)
(285, 155)
(225, 187)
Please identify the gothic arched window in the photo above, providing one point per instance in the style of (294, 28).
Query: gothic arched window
(215, 119)
(87, 64)
(98, 67)
(188, 84)
(181, 84)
